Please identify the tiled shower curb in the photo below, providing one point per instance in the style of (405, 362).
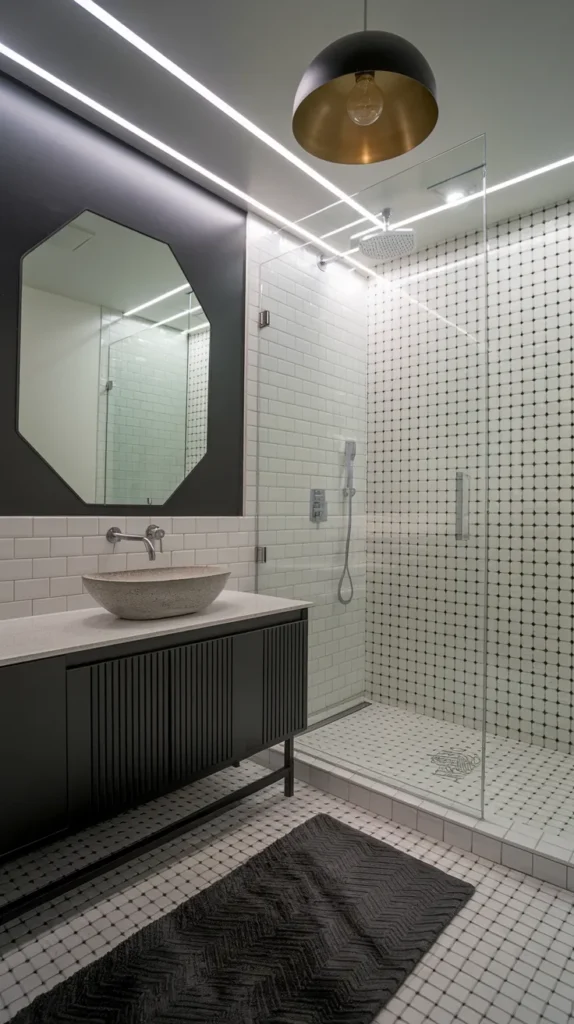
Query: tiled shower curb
(540, 858)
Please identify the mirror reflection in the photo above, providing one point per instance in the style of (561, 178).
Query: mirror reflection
(114, 363)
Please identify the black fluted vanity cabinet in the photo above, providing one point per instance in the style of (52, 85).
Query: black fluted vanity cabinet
(87, 735)
(33, 769)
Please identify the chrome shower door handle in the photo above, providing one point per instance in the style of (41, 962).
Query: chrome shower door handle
(462, 503)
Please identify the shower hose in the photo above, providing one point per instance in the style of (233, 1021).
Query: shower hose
(346, 570)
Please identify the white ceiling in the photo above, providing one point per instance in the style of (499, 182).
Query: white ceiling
(503, 67)
(97, 261)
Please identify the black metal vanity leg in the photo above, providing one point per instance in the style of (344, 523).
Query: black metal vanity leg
(237, 764)
(289, 762)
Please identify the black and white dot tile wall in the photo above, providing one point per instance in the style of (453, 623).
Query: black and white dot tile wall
(197, 397)
(531, 314)
(426, 421)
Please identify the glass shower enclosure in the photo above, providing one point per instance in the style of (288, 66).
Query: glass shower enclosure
(388, 350)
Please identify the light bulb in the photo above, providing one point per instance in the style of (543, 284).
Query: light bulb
(365, 100)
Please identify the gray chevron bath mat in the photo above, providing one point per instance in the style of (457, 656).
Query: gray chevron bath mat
(322, 927)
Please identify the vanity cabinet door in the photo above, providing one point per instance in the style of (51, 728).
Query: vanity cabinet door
(269, 686)
(233, 696)
(33, 783)
(284, 680)
(118, 733)
(201, 708)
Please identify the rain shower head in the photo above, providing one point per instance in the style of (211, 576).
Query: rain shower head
(388, 244)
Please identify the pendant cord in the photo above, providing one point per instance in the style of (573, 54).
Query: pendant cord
(365, 16)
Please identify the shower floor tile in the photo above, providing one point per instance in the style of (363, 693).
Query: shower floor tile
(525, 786)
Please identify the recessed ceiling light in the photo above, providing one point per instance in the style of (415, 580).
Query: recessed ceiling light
(207, 94)
(535, 173)
(455, 197)
(458, 186)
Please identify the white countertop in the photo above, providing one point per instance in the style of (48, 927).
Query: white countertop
(46, 636)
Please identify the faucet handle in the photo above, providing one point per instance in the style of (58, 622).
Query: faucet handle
(155, 533)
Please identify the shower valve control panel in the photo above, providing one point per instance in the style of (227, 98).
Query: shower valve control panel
(318, 506)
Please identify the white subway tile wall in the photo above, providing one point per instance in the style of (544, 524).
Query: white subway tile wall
(426, 421)
(37, 585)
(311, 379)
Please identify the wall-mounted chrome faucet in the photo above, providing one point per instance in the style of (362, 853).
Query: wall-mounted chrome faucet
(152, 533)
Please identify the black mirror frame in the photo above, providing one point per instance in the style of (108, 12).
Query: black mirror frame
(54, 165)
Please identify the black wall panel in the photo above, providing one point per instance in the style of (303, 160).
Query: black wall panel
(53, 166)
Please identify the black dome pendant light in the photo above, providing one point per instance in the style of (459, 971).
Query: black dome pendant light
(367, 97)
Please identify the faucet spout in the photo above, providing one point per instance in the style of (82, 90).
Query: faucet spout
(114, 535)
(150, 548)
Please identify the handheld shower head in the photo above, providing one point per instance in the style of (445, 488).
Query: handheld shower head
(349, 494)
(350, 452)
(388, 244)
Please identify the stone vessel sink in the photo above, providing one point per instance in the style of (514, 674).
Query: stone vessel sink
(157, 593)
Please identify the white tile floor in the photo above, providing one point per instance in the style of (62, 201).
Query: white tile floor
(506, 958)
(48, 863)
(523, 783)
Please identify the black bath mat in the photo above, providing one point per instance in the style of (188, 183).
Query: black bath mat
(321, 927)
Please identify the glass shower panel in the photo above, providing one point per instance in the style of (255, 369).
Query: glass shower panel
(311, 401)
(399, 345)
(147, 406)
(427, 483)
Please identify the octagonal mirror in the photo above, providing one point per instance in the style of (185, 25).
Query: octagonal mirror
(114, 363)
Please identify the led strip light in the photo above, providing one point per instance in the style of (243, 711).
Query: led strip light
(250, 201)
(192, 83)
(272, 215)
(200, 327)
(535, 173)
(156, 143)
(168, 319)
(158, 298)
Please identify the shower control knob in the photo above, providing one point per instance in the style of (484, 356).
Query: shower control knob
(317, 505)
